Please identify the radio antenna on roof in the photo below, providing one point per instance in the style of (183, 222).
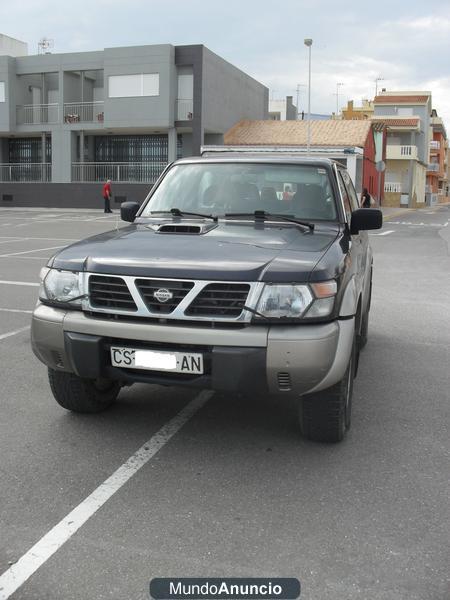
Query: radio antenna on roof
(44, 45)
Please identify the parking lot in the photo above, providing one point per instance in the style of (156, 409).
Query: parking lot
(229, 488)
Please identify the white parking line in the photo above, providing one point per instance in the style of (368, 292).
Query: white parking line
(36, 556)
(3, 336)
(16, 238)
(384, 232)
(16, 310)
(29, 251)
(6, 282)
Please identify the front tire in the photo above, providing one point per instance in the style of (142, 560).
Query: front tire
(82, 395)
(326, 415)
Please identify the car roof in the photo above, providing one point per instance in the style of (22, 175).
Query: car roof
(267, 158)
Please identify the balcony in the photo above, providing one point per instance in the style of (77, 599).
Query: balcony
(395, 188)
(25, 172)
(35, 114)
(119, 172)
(435, 145)
(184, 110)
(433, 167)
(394, 152)
(84, 112)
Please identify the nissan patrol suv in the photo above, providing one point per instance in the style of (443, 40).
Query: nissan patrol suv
(222, 280)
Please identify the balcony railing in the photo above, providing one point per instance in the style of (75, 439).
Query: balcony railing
(394, 152)
(433, 167)
(184, 110)
(25, 172)
(393, 187)
(84, 112)
(34, 114)
(119, 172)
(435, 145)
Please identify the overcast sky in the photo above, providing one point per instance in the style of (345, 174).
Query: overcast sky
(406, 42)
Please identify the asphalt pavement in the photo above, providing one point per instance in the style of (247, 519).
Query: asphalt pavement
(230, 488)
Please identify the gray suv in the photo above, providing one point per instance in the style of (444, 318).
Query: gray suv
(224, 280)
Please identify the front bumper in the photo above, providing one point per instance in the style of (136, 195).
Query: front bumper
(284, 359)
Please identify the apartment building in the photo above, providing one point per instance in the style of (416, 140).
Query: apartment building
(70, 121)
(407, 118)
(357, 113)
(436, 189)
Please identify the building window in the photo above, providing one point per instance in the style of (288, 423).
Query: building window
(127, 86)
(29, 150)
(2, 91)
(131, 148)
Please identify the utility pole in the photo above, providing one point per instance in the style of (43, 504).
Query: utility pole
(299, 85)
(377, 79)
(338, 85)
(308, 43)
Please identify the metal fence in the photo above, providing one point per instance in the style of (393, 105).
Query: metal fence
(25, 172)
(184, 110)
(119, 172)
(82, 112)
(34, 114)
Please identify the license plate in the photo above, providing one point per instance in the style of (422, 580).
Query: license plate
(153, 360)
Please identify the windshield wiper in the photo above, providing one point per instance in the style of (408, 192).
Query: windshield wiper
(263, 215)
(176, 212)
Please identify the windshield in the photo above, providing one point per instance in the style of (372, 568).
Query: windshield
(301, 191)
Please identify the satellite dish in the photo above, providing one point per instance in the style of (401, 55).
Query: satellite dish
(380, 166)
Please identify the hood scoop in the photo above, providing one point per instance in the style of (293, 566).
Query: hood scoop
(183, 228)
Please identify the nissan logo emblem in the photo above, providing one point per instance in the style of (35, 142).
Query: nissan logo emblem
(163, 295)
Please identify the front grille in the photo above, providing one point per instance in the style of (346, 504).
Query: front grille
(148, 287)
(110, 292)
(220, 300)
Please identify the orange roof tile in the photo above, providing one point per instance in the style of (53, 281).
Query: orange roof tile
(401, 99)
(295, 133)
(409, 122)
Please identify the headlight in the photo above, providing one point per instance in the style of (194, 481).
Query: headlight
(313, 301)
(284, 301)
(60, 287)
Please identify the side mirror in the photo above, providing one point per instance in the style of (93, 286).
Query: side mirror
(366, 218)
(128, 211)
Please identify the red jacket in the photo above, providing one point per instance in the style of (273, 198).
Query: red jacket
(107, 190)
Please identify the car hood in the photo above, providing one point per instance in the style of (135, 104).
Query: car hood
(229, 251)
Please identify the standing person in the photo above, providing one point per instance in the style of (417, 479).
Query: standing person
(365, 199)
(107, 196)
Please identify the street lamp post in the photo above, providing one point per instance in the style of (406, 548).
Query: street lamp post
(338, 85)
(308, 43)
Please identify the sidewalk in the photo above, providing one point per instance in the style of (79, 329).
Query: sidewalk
(395, 211)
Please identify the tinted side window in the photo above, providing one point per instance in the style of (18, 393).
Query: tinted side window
(350, 190)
